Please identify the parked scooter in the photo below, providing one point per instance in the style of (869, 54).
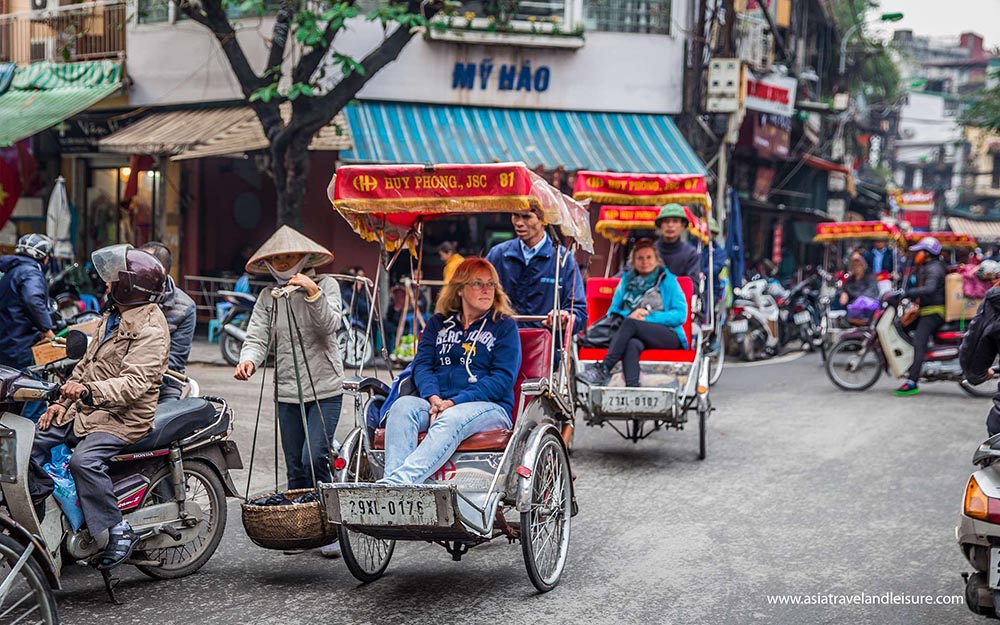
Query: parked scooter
(753, 323)
(862, 354)
(234, 324)
(171, 486)
(978, 530)
(800, 315)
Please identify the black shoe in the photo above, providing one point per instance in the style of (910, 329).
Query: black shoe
(121, 543)
(596, 375)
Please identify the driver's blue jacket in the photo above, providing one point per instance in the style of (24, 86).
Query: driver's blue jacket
(531, 286)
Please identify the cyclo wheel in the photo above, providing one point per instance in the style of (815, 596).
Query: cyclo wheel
(366, 557)
(545, 526)
(203, 487)
(29, 598)
(715, 361)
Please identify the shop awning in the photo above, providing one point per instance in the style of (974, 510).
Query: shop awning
(210, 132)
(390, 132)
(42, 95)
(979, 230)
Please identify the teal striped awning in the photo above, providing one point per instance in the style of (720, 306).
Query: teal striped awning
(391, 132)
(42, 95)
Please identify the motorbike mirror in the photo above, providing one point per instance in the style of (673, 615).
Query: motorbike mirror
(76, 344)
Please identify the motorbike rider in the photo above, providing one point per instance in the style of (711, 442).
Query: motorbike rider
(930, 292)
(110, 399)
(679, 257)
(24, 309)
(182, 317)
(981, 343)
(527, 269)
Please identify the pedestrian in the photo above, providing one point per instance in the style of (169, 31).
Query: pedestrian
(308, 364)
(24, 309)
(450, 258)
(181, 314)
(880, 258)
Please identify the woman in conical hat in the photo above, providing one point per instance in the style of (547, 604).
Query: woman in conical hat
(315, 304)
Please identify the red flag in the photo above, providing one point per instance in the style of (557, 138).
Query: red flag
(10, 191)
(137, 163)
(28, 168)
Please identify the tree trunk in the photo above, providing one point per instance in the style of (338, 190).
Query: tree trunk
(290, 170)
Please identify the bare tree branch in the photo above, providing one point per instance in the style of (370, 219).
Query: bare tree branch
(308, 64)
(279, 36)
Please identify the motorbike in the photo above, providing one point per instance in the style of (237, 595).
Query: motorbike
(800, 315)
(171, 485)
(978, 530)
(234, 324)
(753, 322)
(861, 354)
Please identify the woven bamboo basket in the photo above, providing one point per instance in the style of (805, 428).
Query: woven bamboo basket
(295, 526)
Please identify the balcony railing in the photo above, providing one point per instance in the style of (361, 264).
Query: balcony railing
(79, 32)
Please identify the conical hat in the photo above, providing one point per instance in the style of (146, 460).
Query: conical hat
(288, 240)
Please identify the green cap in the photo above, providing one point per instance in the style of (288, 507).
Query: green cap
(671, 210)
(713, 226)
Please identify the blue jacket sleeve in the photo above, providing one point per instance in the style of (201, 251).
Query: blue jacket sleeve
(617, 300)
(573, 292)
(718, 259)
(675, 308)
(35, 294)
(506, 363)
(424, 376)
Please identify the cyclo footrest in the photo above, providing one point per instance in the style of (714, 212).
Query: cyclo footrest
(410, 506)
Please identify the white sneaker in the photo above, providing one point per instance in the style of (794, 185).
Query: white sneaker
(330, 551)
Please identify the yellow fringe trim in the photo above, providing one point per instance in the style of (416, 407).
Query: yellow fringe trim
(644, 200)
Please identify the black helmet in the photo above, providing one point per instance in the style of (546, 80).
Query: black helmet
(35, 246)
(136, 277)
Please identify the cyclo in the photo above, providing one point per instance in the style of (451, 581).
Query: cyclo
(835, 234)
(684, 375)
(513, 483)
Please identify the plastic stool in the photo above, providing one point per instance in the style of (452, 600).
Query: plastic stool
(214, 327)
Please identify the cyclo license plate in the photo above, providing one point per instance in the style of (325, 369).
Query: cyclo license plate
(802, 317)
(392, 507)
(635, 400)
(738, 326)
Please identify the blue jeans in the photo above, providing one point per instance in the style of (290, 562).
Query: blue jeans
(409, 463)
(293, 440)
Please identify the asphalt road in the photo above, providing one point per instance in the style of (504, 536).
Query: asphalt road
(806, 491)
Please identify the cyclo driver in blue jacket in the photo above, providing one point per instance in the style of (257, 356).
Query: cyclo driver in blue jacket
(464, 371)
(527, 269)
(24, 297)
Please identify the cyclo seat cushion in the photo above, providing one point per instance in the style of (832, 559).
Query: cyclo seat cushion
(175, 420)
(536, 351)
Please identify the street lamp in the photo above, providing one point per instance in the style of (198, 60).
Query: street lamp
(885, 17)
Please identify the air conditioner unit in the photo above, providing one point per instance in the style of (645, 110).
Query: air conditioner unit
(44, 5)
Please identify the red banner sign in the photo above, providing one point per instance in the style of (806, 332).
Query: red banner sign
(399, 187)
(640, 189)
(617, 222)
(947, 239)
(866, 230)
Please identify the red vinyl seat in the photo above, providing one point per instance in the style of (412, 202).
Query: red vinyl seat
(600, 292)
(536, 351)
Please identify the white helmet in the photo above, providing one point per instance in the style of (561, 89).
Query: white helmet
(35, 246)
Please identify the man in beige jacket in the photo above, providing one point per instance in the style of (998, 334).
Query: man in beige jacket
(110, 399)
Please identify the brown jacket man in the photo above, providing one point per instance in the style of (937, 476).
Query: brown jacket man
(110, 400)
(123, 374)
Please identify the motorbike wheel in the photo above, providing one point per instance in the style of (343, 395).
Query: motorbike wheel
(545, 526)
(366, 557)
(852, 368)
(29, 598)
(203, 487)
(983, 391)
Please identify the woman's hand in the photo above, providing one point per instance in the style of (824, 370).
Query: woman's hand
(304, 281)
(244, 370)
(639, 313)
